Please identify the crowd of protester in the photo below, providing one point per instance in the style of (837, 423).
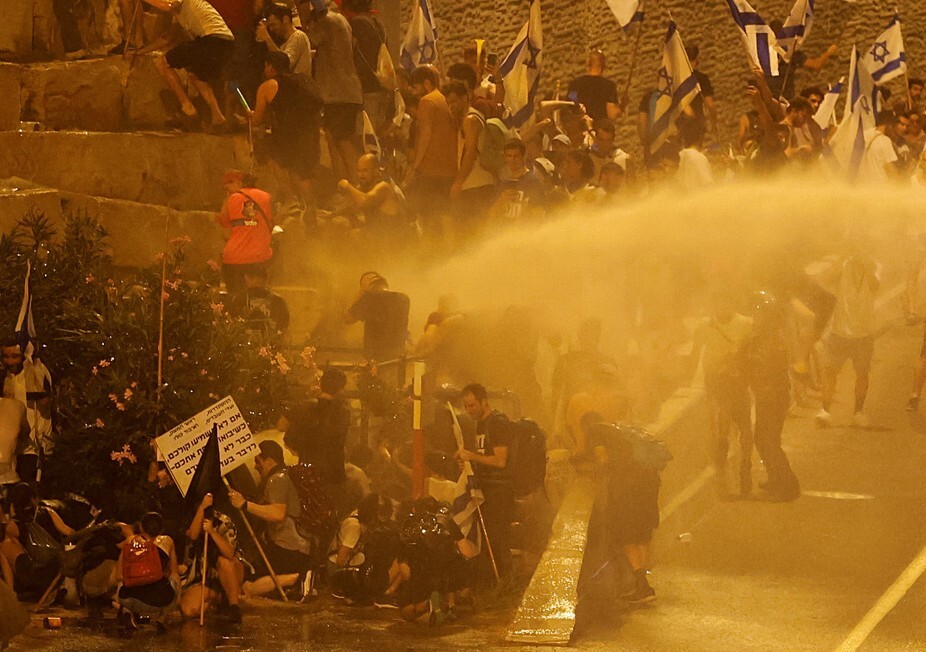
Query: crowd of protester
(437, 163)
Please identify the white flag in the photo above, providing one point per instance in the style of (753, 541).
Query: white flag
(625, 10)
(420, 44)
(796, 28)
(677, 86)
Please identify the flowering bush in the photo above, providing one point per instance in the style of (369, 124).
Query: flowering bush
(98, 334)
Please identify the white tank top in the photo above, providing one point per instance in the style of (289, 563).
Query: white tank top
(478, 176)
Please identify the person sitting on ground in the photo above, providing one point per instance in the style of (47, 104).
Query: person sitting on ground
(141, 592)
(32, 543)
(203, 57)
(362, 557)
(435, 563)
(224, 570)
(286, 549)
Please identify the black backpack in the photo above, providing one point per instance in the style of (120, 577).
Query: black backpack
(527, 457)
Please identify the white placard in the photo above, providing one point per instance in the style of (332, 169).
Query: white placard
(182, 446)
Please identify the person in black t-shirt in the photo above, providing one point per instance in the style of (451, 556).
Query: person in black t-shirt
(490, 464)
(369, 37)
(703, 107)
(595, 92)
(263, 309)
(317, 430)
(384, 315)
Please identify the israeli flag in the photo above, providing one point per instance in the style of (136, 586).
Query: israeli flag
(25, 327)
(847, 147)
(758, 37)
(420, 44)
(826, 112)
(887, 59)
(676, 85)
(796, 29)
(521, 69)
(627, 12)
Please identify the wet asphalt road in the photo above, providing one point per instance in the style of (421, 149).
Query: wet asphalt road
(748, 575)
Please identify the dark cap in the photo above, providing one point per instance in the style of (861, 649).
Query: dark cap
(271, 450)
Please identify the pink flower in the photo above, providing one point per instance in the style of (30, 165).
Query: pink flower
(282, 363)
(218, 308)
(89, 279)
(134, 384)
(185, 239)
(99, 423)
(125, 455)
(203, 372)
(103, 363)
(183, 354)
(127, 394)
(159, 257)
(120, 406)
(113, 398)
(214, 266)
(263, 352)
(95, 371)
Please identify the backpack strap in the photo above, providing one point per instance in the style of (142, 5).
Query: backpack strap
(267, 221)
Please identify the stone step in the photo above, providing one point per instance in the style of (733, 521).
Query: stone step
(106, 93)
(180, 169)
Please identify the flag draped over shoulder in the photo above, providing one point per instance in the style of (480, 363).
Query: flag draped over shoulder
(25, 327)
(847, 146)
(796, 28)
(420, 44)
(626, 11)
(887, 59)
(758, 37)
(463, 496)
(826, 112)
(521, 69)
(676, 87)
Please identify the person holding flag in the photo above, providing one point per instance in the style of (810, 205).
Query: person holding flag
(28, 381)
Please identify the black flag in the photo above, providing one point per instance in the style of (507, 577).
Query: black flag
(208, 476)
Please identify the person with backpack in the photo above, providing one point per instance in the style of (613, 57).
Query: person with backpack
(490, 465)
(373, 62)
(148, 573)
(316, 431)
(246, 216)
(626, 511)
(279, 507)
(473, 190)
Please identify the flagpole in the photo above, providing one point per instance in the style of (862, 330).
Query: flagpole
(797, 43)
(633, 57)
(161, 316)
(260, 549)
(202, 591)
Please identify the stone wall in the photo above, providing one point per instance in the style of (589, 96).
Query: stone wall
(571, 28)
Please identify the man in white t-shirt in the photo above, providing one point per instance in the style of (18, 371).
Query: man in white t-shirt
(694, 169)
(880, 159)
(278, 33)
(852, 331)
(29, 383)
(203, 57)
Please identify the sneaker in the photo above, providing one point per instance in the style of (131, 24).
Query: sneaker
(642, 594)
(307, 588)
(387, 601)
(861, 420)
(823, 418)
(912, 404)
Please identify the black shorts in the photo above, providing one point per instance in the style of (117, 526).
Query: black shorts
(204, 56)
(283, 560)
(340, 120)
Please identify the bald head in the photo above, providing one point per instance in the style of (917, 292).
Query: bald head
(368, 172)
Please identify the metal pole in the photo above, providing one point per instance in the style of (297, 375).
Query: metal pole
(418, 436)
(202, 592)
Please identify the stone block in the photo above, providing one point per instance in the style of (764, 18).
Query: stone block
(143, 108)
(10, 87)
(136, 230)
(181, 169)
(19, 197)
(83, 95)
(16, 28)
